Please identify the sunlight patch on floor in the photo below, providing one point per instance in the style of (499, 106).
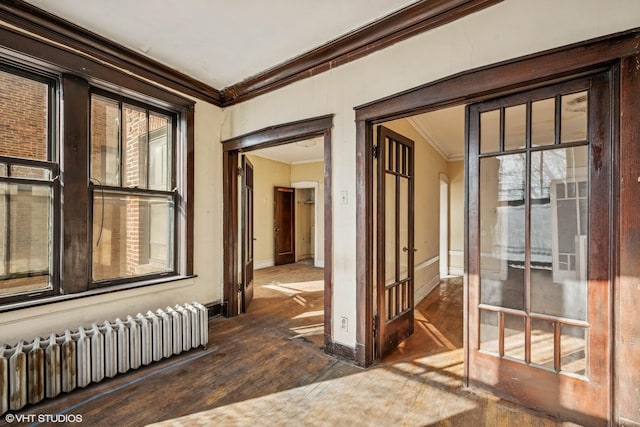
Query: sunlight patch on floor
(309, 314)
(308, 330)
(382, 396)
(296, 287)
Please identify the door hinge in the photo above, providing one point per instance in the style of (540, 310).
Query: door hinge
(240, 171)
(376, 324)
(240, 287)
(375, 151)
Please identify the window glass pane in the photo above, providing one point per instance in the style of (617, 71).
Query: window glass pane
(502, 222)
(514, 337)
(489, 333)
(559, 232)
(574, 117)
(573, 341)
(3, 169)
(543, 127)
(515, 127)
(30, 172)
(105, 141)
(160, 152)
(25, 237)
(490, 131)
(542, 344)
(134, 147)
(23, 117)
(132, 235)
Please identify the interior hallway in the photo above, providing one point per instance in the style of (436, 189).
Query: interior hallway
(267, 368)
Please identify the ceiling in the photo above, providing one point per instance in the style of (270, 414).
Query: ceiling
(444, 130)
(307, 151)
(221, 42)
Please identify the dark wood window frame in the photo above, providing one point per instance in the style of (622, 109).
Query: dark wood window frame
(77, 75)
(619, 53)
(51, 164)
(96, 188)
(263, 138)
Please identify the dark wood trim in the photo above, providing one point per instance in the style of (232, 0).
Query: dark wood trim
(280, 134)
(626, 290)
(190, 190)
(230, 232)
(72, 62)
(403, 24)
(328, 239)
(268, 137)
(504, 77)
(90, 293)
(75, 191)
(214, 308)
(51, 27)
(364, 246)
(341, 351)
(475, 85)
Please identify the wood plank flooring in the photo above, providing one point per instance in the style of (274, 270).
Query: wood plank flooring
(267, 368)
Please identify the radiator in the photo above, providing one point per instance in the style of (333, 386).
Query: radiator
(31, 371)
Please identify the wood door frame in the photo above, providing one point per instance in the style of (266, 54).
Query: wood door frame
(247, 244)
(544, 68)
(292, 223)
(263, 138)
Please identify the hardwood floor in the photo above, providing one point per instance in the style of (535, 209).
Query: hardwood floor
(267, 368)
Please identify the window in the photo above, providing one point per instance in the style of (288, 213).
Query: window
(133, 185)
(29, 187)
(96, 178)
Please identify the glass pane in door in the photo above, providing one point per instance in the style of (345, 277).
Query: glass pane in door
(502, 223)
(558, 232)
(390, 228)
(403, 237)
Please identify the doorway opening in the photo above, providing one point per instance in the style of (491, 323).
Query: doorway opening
(537, 272)
(420, 240)
(278, 224)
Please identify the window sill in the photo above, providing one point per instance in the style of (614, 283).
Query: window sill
(34, 301)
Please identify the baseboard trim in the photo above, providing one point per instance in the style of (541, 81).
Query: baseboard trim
(426, 289)
(214, 308)
(319, 263)
(266, 263)
(456, 271)
(340, 351)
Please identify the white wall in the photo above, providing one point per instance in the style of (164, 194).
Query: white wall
(507, 30)
(205, 288)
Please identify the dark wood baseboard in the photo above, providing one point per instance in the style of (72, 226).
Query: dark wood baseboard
(341, 351)
(214, 308)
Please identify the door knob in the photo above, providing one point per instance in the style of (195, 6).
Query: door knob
(276, 229)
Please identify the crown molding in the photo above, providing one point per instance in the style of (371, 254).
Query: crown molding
(48, 26)
(403, 24)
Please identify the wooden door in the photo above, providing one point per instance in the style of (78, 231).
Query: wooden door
(284, 237)
(395, 234)
(539, 266)
(247, 233)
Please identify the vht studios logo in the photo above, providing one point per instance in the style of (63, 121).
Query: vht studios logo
(43, 418)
